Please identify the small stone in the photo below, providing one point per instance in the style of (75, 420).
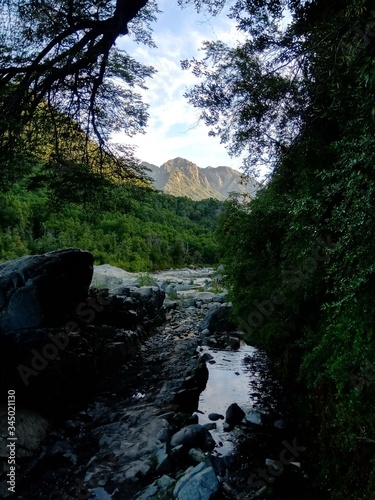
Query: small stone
(215, 416)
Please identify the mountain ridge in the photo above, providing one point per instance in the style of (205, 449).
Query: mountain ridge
(181, 177)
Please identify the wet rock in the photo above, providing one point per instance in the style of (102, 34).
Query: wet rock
(193, 436)
(215, 416)
(199, 482)
(207, 356)
(233, 342)
(234, 414)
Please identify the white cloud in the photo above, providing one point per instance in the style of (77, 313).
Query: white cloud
(173, 130)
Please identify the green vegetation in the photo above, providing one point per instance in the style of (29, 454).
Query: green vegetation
(129, 227)
(300, 258)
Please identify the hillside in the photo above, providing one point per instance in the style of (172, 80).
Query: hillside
(181, 177)
(129, 227)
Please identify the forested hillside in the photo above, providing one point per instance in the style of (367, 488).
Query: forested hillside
(127, 226)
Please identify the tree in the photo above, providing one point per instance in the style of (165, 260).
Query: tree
(59, 68)
(259, 96)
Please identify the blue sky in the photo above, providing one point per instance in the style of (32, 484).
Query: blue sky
(173, 125)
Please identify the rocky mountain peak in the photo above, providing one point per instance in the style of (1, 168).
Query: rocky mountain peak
(181, 177)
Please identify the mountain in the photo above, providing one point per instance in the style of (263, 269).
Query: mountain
(180, 177)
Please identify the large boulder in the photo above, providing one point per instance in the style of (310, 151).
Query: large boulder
(43, 290)
(218, 320)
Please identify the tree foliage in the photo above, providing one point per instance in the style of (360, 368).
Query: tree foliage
(300, 257)
(259, 95)
(61, 71)
(125, 225)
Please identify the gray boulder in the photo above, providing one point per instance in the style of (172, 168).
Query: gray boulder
(193, 436)
(43, 290)
(198, 483)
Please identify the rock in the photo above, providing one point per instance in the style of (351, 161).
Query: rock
(205, 296)
(158, 490)
(234, 414)
(223, 463)
(111, 277)
(197, 455)
(164, 433)
(63, 451)
(134, 307)
(233, 342)
(206, 357)
(254, 418)
(43, 290)
(193, 436)
(198, 483)
(210, 426)
(227, 427)
(100, 494)
(177, 454)
(218, 320)
(221, 297)
(162, 459)
(170, 305)
(215, 416)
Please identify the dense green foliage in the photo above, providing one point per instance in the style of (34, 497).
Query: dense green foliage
(133, 228)
(300, 258)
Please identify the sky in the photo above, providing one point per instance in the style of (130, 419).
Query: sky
(173, 127)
